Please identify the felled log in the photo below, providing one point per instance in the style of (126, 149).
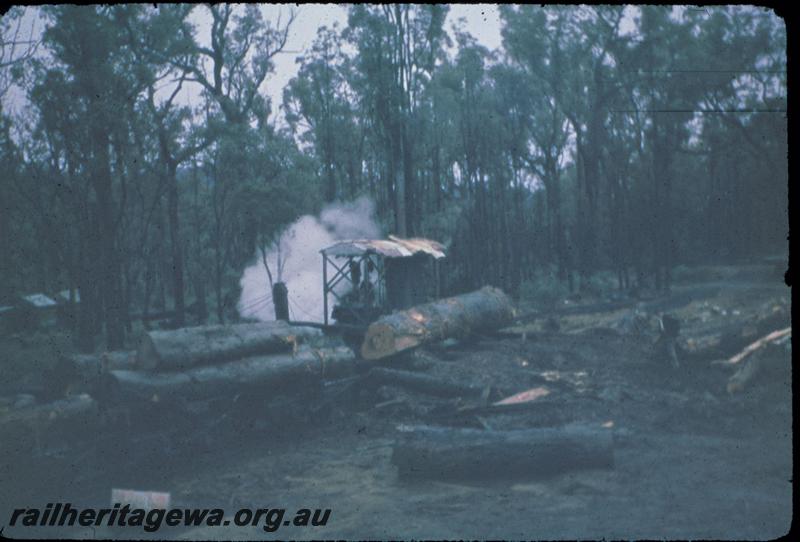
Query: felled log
(265, 374)
(456, 453)
(455, 317)
(759, 344)
(422, 383)
(191, 346)
(37, 416)
(89, 364)
(731, 338)
(753, 360)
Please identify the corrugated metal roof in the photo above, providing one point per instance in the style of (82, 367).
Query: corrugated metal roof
(394, 247)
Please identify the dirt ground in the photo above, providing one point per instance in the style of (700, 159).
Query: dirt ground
(691, 460)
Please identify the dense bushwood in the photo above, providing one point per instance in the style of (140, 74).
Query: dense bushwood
(454, 453)
(579, 148)
(484, 310)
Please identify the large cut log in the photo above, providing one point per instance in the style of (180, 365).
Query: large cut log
(263, 373)
(455, 317)
(187, 347)
(456, 453)
(39, 416)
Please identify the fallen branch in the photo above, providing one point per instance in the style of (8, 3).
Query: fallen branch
(759, 344)
(754, 360)
(731, 338)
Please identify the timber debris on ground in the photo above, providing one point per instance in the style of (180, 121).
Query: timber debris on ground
(467, 423)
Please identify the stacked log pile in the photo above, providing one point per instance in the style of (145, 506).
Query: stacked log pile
(202, 345)
(206, 361)
(173, 373)
(266, 374)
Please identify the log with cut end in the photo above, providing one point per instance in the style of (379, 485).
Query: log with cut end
(263, 373)
(455, 317)
(457, 453)
(202, 345)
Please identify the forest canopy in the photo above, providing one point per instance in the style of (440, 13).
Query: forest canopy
(621, 139)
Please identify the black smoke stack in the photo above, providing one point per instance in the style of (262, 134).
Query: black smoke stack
(280, 299)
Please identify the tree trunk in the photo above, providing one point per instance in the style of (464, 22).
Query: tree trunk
(86, 308)
(400, 199)
(456, 453)
(482, 310)
(218, 289)
(267, 374)
(202, 306)
(175, 243)
(108, 264)
(187, 347)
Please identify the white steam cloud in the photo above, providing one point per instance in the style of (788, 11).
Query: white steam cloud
(298, 249)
